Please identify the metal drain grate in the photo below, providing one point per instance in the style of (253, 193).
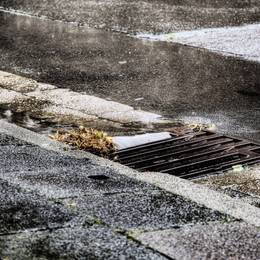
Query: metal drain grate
(192, 155)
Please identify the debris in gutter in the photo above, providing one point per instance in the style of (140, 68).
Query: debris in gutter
(238, 168)
(123, 142)
(191, 128)
(98, 142)
(88, 139)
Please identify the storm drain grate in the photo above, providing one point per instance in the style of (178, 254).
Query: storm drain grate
(192, 155)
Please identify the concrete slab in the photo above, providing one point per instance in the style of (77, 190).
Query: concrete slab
(97, 242)
(6, 140)
(31, 158)
(148, 210)
(234, 193)
(16, 83)
(71, 181)
(66, 114)
(20, 210)
(85, 103)
(135, 116)
(214, 241)
(44, 86)
(204, 196)
(9, 96)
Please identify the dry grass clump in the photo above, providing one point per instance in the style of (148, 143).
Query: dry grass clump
(190, 128)
(88, 139)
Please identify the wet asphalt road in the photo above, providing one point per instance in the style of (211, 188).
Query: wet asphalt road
(172, 79)
(134, 16)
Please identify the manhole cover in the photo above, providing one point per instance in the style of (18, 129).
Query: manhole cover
(192, 155)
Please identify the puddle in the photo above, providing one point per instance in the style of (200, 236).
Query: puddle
(28, 121)
(124, 132)
(124, 135)
(47, 125)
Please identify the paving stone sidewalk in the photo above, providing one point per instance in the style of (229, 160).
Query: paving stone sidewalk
(56, 206)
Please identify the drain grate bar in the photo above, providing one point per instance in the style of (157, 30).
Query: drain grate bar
(202, 163)
(172, 143)
(191, 156)
(196, 156)
(164, 143)
(221, 168)
(175, 154)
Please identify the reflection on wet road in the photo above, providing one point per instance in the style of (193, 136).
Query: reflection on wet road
(171, 79)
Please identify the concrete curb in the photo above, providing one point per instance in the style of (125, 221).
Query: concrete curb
(195, 192)
(62, 101)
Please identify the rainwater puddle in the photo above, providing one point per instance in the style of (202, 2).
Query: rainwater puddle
(28, 121)
(124, 136)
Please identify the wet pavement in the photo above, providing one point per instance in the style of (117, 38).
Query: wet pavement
(155, 16)
(58, 203)
(142, 73)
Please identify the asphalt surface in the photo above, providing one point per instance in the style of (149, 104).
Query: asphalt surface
(142, 73)
(143, 16)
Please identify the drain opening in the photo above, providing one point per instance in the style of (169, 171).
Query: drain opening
(99, 177)
(191, 156)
